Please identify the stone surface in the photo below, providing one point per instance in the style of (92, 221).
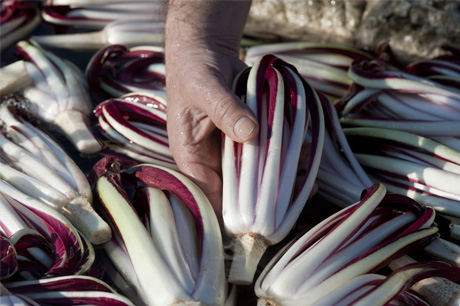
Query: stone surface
(414, 29)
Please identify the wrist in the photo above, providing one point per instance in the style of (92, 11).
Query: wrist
(209, 23)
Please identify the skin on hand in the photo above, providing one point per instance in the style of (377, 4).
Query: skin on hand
(202, 58)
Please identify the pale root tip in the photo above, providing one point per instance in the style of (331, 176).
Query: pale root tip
(265, 302)
(444, 250)
(438, 291)
(74, 125)
(82, 215)
(14, 77)
(247, 252)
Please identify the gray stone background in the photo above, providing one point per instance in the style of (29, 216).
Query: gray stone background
(415, 29)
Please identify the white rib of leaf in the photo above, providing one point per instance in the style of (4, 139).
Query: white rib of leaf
(165, 236)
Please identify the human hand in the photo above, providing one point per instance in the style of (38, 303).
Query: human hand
(201, 61)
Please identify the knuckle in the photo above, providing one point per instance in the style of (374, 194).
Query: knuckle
(223, 108)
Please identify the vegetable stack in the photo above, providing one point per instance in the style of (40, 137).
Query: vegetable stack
(117, 70)
(408, 116)
(167, 242)
(134, 127)
(34, 164)
(57, 92)
(335, 262)
(263, 194)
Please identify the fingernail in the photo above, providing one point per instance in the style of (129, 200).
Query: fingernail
(244, 127)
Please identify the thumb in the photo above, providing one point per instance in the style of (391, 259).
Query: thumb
(229, 113)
